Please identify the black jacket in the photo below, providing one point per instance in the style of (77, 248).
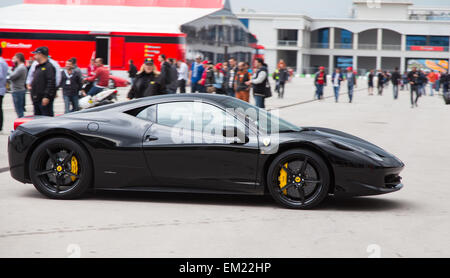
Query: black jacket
(261, 88)
(44, 82)
(165, 78)
(146, 84)
(173, 85)
(415, 77)
(132, 71)
(395, 78)
(71, 85)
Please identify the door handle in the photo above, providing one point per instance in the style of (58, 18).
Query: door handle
(149, 138)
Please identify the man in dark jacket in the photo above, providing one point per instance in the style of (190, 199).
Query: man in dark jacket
(415, 82)
(173, 85)
(395, 79)
(146, 83)
(132, 71)
(165, 77)
(43, 87)
(71, 83)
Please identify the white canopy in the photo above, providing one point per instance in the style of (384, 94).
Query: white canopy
(99, 18)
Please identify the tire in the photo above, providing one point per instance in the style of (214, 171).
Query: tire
(313, 180)
(60, 168)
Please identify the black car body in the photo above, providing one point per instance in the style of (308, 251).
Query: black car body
(129, 152)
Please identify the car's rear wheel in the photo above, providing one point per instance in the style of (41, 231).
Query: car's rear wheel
(60, 168)
(298, 179)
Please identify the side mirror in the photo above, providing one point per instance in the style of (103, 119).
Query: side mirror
(234, 132)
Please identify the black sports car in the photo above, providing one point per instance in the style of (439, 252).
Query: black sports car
(196, 143)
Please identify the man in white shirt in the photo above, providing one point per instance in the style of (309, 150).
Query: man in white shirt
(183, 75)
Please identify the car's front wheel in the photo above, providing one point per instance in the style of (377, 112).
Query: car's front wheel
(298, 179)
(60, 168)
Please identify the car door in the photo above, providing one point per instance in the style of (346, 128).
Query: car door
(185, 147)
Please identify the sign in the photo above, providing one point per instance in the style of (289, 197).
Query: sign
(426, 48)
(428, 64)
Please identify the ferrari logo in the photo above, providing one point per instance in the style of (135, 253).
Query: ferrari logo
(298, 179)
(59, 168)
(266, 141)
(4, 44)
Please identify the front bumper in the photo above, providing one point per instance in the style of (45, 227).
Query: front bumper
(367, 181)
(19, 144)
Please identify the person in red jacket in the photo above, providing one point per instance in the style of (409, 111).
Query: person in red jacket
(100, 77)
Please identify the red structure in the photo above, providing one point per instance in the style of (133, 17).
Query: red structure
(115, 30)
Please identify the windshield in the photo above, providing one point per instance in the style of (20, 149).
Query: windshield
(264, 120)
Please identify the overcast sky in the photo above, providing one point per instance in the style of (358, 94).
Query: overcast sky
(316, 8)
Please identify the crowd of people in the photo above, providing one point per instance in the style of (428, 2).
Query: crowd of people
(42, 77)
(416, 81)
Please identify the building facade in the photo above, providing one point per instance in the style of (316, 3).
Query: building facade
(378, 35)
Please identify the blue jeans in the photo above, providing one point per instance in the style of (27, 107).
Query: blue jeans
(70, 100)
(319, 91)
(260, 101)
(95, 90)
(19, 102)
(230, 92)
(336, 92)
(41, 110)
(395, 90)
(350, 92)
(195, 87)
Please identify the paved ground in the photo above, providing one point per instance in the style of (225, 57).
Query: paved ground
(410, 223)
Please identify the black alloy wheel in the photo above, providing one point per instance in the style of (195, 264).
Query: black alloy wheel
(60, 168)
(298, 179)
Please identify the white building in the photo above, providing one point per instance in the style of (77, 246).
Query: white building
(379, 34)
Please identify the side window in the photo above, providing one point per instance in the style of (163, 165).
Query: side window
(176, 114)
(196, 116)
(148, 114)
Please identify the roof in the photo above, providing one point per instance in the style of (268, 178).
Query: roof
(96, 18)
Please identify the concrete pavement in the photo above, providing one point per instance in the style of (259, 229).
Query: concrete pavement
(410, 223)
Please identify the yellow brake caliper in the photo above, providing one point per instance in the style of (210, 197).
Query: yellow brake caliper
(282, 178)
(74, 167)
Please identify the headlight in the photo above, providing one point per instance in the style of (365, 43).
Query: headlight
(347, 146)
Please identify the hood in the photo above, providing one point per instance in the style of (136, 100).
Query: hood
(339, 136)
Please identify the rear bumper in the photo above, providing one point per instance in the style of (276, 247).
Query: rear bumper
(19, 144)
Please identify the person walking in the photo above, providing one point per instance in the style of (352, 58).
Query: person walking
(43, 86)
(260, 83)
(100, 77)
(165, 75)
(3, 75)
(337, 78)
(351, 83)
(414, 83)
(71, 83)
(432, 79)
(405, 81)
(242, 85)
(320, 81)
(370, 78)
(219, 78)
(380, 82)
(395, 79)
(18, 79)
(209, 79)
(195, 75)
(132, 71)
(183, 76)
(282, 77)
(231, 77)
(444, 81)
(146, 82)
